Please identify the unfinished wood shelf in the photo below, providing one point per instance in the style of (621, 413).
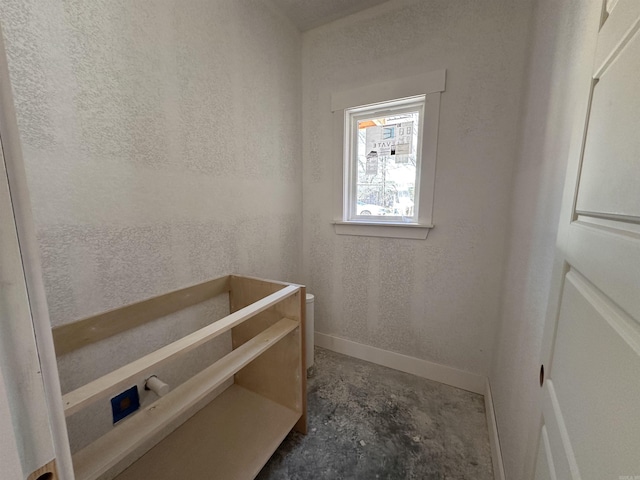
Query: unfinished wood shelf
(254, 425)
(185, 434)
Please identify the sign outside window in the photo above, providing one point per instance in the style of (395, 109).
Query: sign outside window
(390, 139)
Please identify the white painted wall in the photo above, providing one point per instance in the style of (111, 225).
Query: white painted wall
(438, 299)
(162, 146)
(559, 65)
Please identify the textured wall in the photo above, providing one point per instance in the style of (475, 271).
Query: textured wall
(162, 148)
(559, 66)
(436, 299)
(307, 14)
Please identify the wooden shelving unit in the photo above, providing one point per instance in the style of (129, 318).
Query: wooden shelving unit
(183, 434)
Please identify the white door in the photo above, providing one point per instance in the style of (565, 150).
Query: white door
(591, 357)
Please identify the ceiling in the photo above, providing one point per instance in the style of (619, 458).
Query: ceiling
(308, 14)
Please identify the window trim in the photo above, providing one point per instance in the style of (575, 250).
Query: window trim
(431, 85)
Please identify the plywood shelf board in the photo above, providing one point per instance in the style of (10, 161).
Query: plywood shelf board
(72, 336)
(123, 377)
(110, 449)
(230, 439)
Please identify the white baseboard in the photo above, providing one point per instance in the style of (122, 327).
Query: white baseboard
(422, 368)
(494, 439)
(471, 382)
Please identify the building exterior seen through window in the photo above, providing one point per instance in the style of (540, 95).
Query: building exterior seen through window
(382, 164)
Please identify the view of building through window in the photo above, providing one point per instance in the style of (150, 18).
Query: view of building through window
(387, 162)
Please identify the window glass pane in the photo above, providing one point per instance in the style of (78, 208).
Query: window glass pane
(386, 164)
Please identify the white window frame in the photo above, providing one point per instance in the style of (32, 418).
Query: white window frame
(352, 116)
(431, 85)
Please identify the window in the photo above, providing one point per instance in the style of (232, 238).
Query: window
(382, 168)
(385, 177)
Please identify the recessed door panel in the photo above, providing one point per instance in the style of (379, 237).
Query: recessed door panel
(596, 381)
(611, 161)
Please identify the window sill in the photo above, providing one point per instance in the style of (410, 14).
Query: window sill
(416, 231)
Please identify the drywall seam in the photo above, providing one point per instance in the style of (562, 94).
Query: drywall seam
(423, 368)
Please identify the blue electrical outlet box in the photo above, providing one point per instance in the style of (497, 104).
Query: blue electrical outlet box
(125, 404)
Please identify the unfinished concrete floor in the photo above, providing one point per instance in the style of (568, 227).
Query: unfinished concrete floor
(369, 422)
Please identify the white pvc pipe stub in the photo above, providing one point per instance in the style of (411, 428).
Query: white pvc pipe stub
(157, 386)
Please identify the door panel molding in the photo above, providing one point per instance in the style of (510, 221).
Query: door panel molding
(625, 326)
(621, 24)
(602, 255)
(565, 465)
(609, 166)
(616, 222)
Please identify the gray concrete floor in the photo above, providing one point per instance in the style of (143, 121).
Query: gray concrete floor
(371, 422)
